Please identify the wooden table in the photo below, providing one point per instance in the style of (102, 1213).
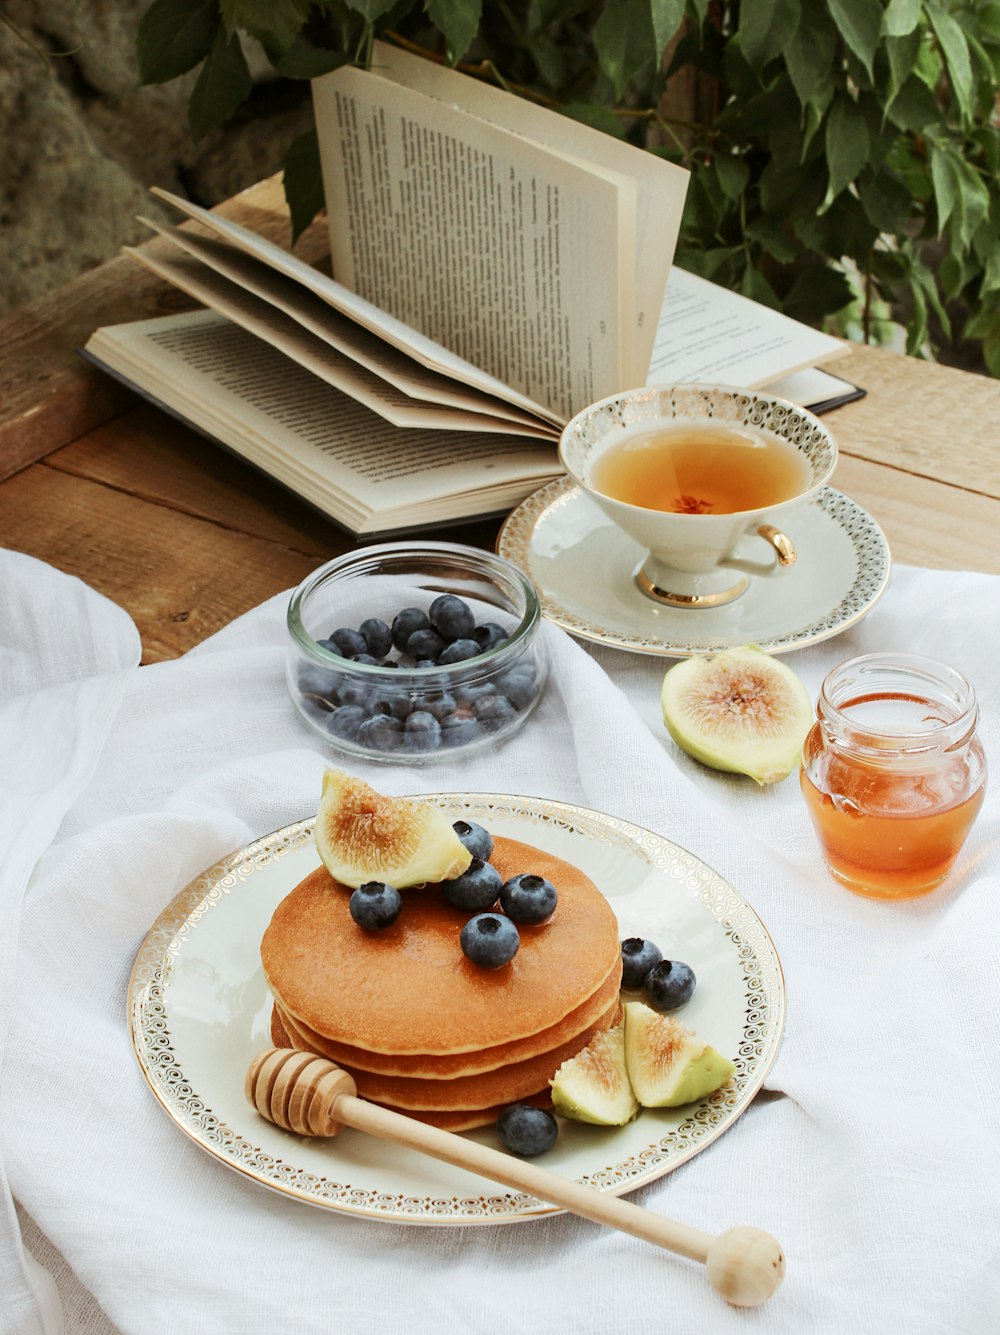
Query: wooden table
(186, 538)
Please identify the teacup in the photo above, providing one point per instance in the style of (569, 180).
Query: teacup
(695, 556)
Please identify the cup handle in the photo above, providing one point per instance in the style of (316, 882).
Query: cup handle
(784, 553)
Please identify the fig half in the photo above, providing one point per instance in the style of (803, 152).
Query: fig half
(740, 711)
(363, 836)
(593, 1086)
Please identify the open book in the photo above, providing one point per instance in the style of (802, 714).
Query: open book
(498, 267)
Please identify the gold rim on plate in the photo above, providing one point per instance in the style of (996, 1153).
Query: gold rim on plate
(198, 1008)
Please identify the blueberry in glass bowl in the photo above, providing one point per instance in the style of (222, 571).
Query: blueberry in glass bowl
(408, 652)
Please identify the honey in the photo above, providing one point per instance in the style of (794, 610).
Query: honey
(701, 469)
(893, 774)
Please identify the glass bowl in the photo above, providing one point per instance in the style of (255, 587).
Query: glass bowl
(383, 706)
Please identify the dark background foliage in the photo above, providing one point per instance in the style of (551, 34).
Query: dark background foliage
(845, 154)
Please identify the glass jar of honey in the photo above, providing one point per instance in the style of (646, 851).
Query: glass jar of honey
(893, 773)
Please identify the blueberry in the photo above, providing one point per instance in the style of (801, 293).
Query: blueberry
(668, 985)
(426, 643)
(348, 642)
(518, 685)
(490, 940)
(375, 905)
(638, 957)
(526, 1130)
(452, 617)
(422, 732)
(495, 712)
(528, 898)
(441, 704)
(367, 658)
(346, 720)
(460, 731)
(477, 840)
(458, 651)
(424, 663)
(488, 635)
(468, 696)
(405, 623)
(316, 681)
(353, 693)
(399, 706)
(377, 636)
(476, 889)
(382, 732)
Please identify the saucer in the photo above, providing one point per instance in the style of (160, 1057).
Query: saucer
(582, 566)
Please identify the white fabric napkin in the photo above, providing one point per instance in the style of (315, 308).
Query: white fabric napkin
(871, 1153)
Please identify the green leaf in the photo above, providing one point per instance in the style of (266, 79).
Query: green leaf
(542, 13)
(925, 279)
(774, 238)
(733, 174)
(766, 29)
(956, 55)
(599, 118)
(902, 53)
(303, 60)
(809, 55)
(901, 17)
(962, 198)
(916, 327)
(914, 107)
(223, 84)
(274, 23)
(847, 144)
(550, 59)
(754, 285)
(370, 10)
(700, 8)
(666, 17)
(173, 37)
(819, 289)
(708, 263)
(860, 25)
(456, 20)
(886, 200)
(623, 36)
(303, 182)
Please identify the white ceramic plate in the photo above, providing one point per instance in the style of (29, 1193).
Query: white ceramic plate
(582, 566)
(199, 1011)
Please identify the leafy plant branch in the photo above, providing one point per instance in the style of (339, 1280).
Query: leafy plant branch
(846, 164)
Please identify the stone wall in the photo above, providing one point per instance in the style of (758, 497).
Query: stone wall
(81, 142)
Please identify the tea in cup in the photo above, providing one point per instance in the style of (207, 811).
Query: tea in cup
(690, 472)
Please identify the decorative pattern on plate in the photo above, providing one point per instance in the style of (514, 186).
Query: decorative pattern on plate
(672, 637)
(219, 902)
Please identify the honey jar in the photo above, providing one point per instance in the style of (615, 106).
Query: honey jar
(893, 773)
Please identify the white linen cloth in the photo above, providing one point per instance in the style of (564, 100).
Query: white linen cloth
(871, 1154)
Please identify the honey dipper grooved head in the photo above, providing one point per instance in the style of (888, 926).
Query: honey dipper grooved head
(297, 1090)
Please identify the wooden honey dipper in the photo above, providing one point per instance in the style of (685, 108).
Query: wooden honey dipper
(312, 1097)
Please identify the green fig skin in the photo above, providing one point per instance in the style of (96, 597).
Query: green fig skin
(583, 1095)
(668, 1065)
(767, 756)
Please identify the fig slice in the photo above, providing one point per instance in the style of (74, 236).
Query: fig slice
(740, 710)
(593, 1086)
(363, 836)
(667, 1064)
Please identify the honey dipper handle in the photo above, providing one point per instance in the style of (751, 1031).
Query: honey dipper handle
(745, 1265)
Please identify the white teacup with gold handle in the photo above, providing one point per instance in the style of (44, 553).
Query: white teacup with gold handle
(700, 476)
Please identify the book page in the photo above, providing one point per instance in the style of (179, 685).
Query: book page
(285, 334)
(373, 353)
(662, 186)
(354, 307)
(707, 333)
(323, 444)
(519, 259)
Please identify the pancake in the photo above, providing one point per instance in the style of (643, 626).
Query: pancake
(507, 1084)
(445, 1121)
(448, 1066)
(409, 989)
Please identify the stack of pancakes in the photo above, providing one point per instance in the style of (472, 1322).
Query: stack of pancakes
(421, 1028)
